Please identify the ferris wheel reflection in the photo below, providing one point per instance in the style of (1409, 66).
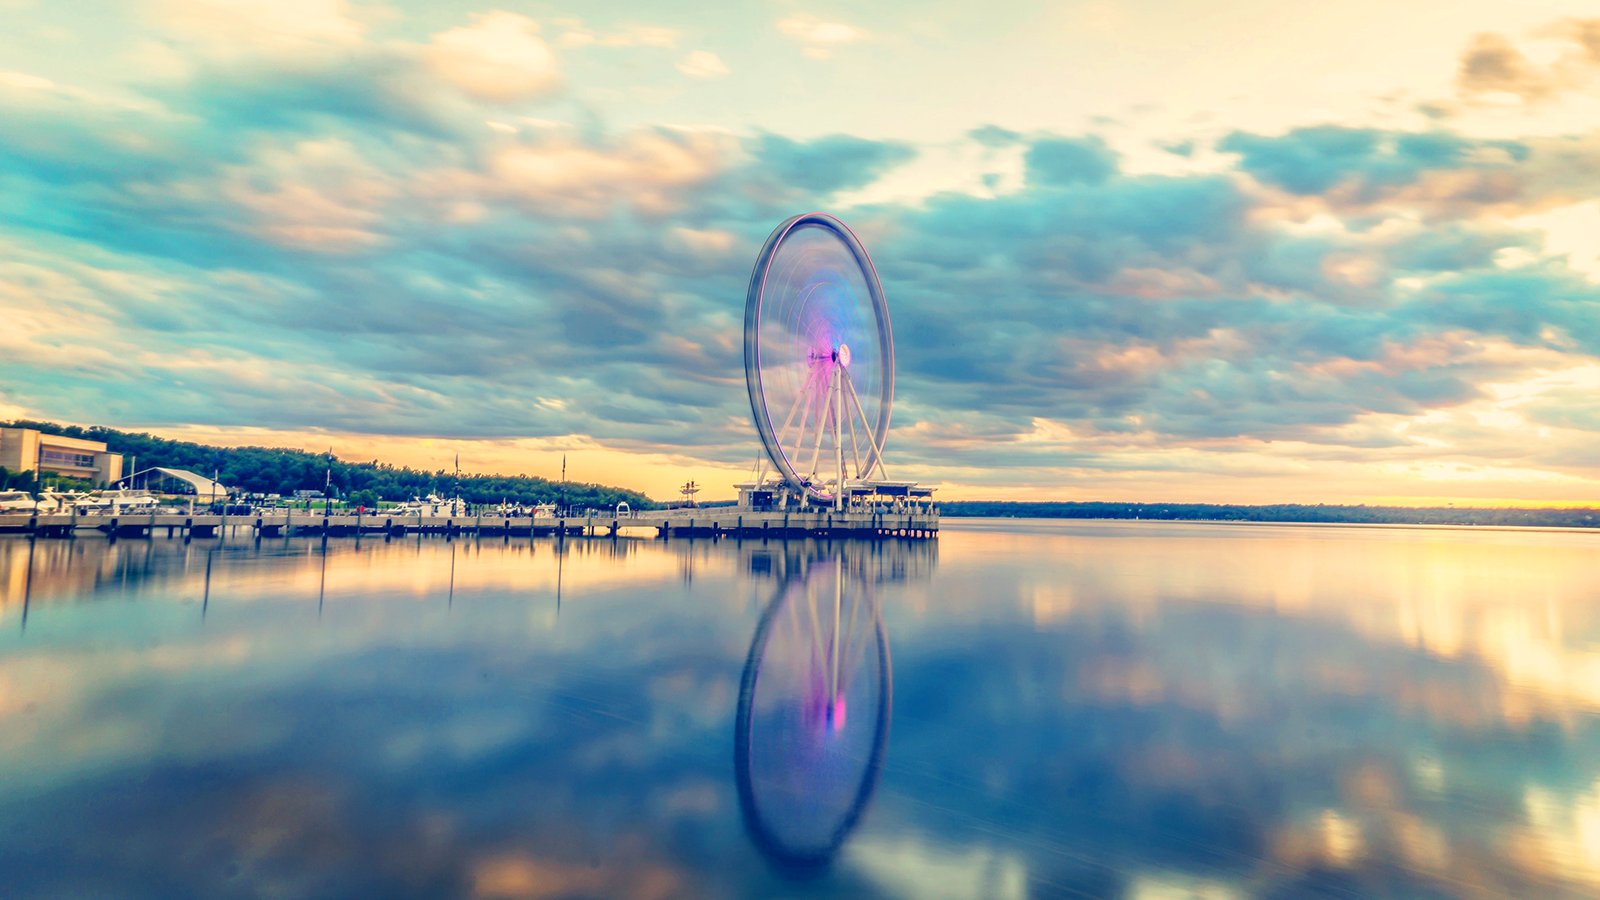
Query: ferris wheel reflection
(814, 709)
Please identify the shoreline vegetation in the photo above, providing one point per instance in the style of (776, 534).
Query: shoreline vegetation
(275, 470)
(1280, 513)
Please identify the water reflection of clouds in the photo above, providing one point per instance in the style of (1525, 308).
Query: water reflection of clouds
(1082, 711)
(162, 568)
(1521, 603)
(910, 866)
(1210, 709)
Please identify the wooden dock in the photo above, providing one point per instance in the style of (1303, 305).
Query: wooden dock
(699, 522)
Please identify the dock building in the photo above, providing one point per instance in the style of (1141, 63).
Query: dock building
(31, 450)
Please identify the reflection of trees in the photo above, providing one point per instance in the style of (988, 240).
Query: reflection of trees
(815, 701)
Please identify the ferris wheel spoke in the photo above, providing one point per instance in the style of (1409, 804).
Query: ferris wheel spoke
(789, 420)
(805, 411)
(822, 424)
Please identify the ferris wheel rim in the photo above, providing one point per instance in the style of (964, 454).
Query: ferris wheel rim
(754, 305)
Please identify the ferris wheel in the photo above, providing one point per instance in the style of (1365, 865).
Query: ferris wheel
(818, 358)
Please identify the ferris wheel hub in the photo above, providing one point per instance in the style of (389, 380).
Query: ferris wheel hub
(842, 355)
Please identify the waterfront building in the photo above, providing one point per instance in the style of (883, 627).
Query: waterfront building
(175, 482)
(30, 450)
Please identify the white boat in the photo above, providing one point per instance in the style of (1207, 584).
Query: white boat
(17, 501)
(431, 505)
(60, 501)
(117, 502)
(435, 505)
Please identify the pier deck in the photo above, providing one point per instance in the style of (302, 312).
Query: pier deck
(713, 522)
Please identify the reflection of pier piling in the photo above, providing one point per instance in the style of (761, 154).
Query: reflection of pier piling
(297, 522)
(865, 524)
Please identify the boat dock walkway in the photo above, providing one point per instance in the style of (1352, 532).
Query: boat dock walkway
(696, 522)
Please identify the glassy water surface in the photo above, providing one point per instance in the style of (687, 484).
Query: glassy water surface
(1022, 709)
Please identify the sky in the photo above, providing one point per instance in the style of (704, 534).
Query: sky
(1179, 251)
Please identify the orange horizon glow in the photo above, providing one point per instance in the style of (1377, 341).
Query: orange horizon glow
(658, 475)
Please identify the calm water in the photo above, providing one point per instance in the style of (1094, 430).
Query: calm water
(1023, 709)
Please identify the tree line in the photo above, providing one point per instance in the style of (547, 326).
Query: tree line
(1280, 512)
(275, 470)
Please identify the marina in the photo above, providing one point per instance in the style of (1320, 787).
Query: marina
(919, 523)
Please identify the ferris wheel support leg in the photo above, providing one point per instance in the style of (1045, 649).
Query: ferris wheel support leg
(872, 439)
(855, 447)
(838, 438)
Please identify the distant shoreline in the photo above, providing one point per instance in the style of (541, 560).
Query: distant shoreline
(1395, 526)
(1278, 514)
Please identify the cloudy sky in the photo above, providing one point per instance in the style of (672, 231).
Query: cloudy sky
(1167, 251)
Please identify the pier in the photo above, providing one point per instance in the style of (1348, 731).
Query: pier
(869, 524)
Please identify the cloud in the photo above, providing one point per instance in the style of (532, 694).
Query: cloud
(284, 27)
(380, 90)
(703, 64)
(321, 196)
(649, 170)
(500, 58)
(1058, 161)
(1313, 160)
(1370, 174)
(1492, 66)
(993, 137)
(642, 36)
(574, 33)
(817, 168)
(819, 37)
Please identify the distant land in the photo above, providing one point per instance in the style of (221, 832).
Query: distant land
(1281, 512)
(275, 470)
